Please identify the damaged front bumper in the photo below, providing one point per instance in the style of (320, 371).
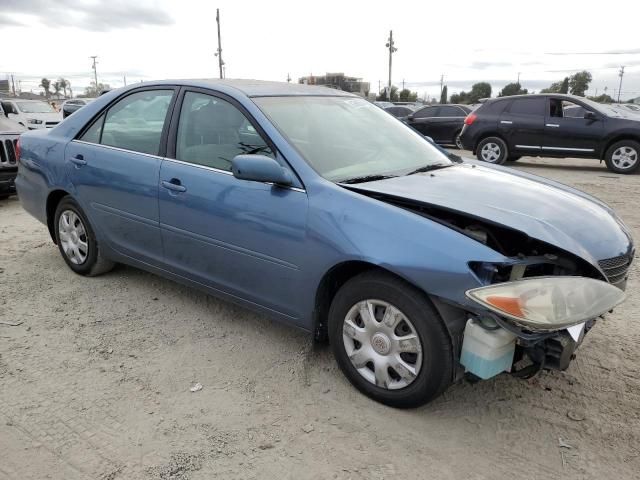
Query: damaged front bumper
(532, 323)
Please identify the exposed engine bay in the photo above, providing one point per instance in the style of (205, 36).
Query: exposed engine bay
(487, 344)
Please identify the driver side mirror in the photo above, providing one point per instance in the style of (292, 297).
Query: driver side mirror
(260, 168)
(589, 115)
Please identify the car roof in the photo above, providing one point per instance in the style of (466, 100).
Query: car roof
(536, 95)
(256, 88)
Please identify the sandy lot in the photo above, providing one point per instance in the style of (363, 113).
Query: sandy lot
(95, 384)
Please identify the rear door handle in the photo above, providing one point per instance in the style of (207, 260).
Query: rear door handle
(506, 122)
(174, 185)
(78, 160)
(554, 125)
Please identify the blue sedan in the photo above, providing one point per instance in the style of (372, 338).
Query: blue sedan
(319, 209)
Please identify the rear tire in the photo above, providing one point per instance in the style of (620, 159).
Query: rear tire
(492, 150)
(404, 334)
(623, 156)
(77, 241)
(458, 141)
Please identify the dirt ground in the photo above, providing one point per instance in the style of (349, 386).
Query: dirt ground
(95, 384)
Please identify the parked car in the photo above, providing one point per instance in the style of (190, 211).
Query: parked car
(32, 114)
(285, 198)
(443, 123)
(399, 111)
(553, 125)
(629, 107)
(9, 133)
(73, 104)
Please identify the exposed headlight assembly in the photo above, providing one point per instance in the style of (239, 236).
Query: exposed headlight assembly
(549, 303)
(34, 121)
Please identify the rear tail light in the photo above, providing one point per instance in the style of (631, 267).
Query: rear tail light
(18, 150)
(470, 119)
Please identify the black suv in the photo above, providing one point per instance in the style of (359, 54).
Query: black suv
(443, 123)
(551, 125)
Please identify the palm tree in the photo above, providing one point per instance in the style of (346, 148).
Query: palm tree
(45, 83)
(67, 84)
(63, 85)
(56, 88)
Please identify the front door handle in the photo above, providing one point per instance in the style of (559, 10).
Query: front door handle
(506, 122)
(554, 125)
(78, 160)
(174, 185)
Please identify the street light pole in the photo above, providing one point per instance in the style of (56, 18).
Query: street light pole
(392, 49)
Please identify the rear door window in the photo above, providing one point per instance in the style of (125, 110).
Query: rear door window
(136, 122)
(426, 112)
(527, 106)
(451, 112)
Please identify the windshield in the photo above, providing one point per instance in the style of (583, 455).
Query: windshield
(35, 107)
(344, 138)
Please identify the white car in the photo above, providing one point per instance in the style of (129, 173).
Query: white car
(32, 114)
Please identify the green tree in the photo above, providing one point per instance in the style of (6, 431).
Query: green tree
(64, 84)
(579, 83)
(93, 90)
(444, 95)
(383, 95)
(604, 98)
(462, 97)
(45, 83)
(564, 88)
(478, 91)
(57, 86)
(512, 89)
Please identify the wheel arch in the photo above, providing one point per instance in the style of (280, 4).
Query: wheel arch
(453, 316)
(487, 134)
(53, 199)
(617, 138)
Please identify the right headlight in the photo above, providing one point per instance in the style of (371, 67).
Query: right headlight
(549, 303)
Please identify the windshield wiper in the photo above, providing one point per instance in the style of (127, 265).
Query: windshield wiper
(428, 168)
(366, 178)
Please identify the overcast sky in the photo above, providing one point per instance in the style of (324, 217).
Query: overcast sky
(467, 41)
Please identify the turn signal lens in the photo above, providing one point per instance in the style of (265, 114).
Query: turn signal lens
(549, 303)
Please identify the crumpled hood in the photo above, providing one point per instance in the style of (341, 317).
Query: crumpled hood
(544, 210)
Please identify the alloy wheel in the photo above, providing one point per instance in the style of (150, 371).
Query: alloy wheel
(459, 142)
(624, 158)
(490, 152)
(382, 344)
(73, 237)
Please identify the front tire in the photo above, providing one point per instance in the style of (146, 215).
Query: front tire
(623, 156)
(492, 150)
(389, 340)
(77, 241)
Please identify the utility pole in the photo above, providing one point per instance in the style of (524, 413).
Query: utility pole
(518, 82)
(620, 74)
(219, 52)
(441, 84)
(13, 85)
(392, 49)
(124, 79)
(403, 84)
(288, 78)
(379, 87)
(95, 71)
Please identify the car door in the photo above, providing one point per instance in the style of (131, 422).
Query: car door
(448, 123)
(114, 167)
(521, 124)
(423, 120)
(243, 238)
(567, 132)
